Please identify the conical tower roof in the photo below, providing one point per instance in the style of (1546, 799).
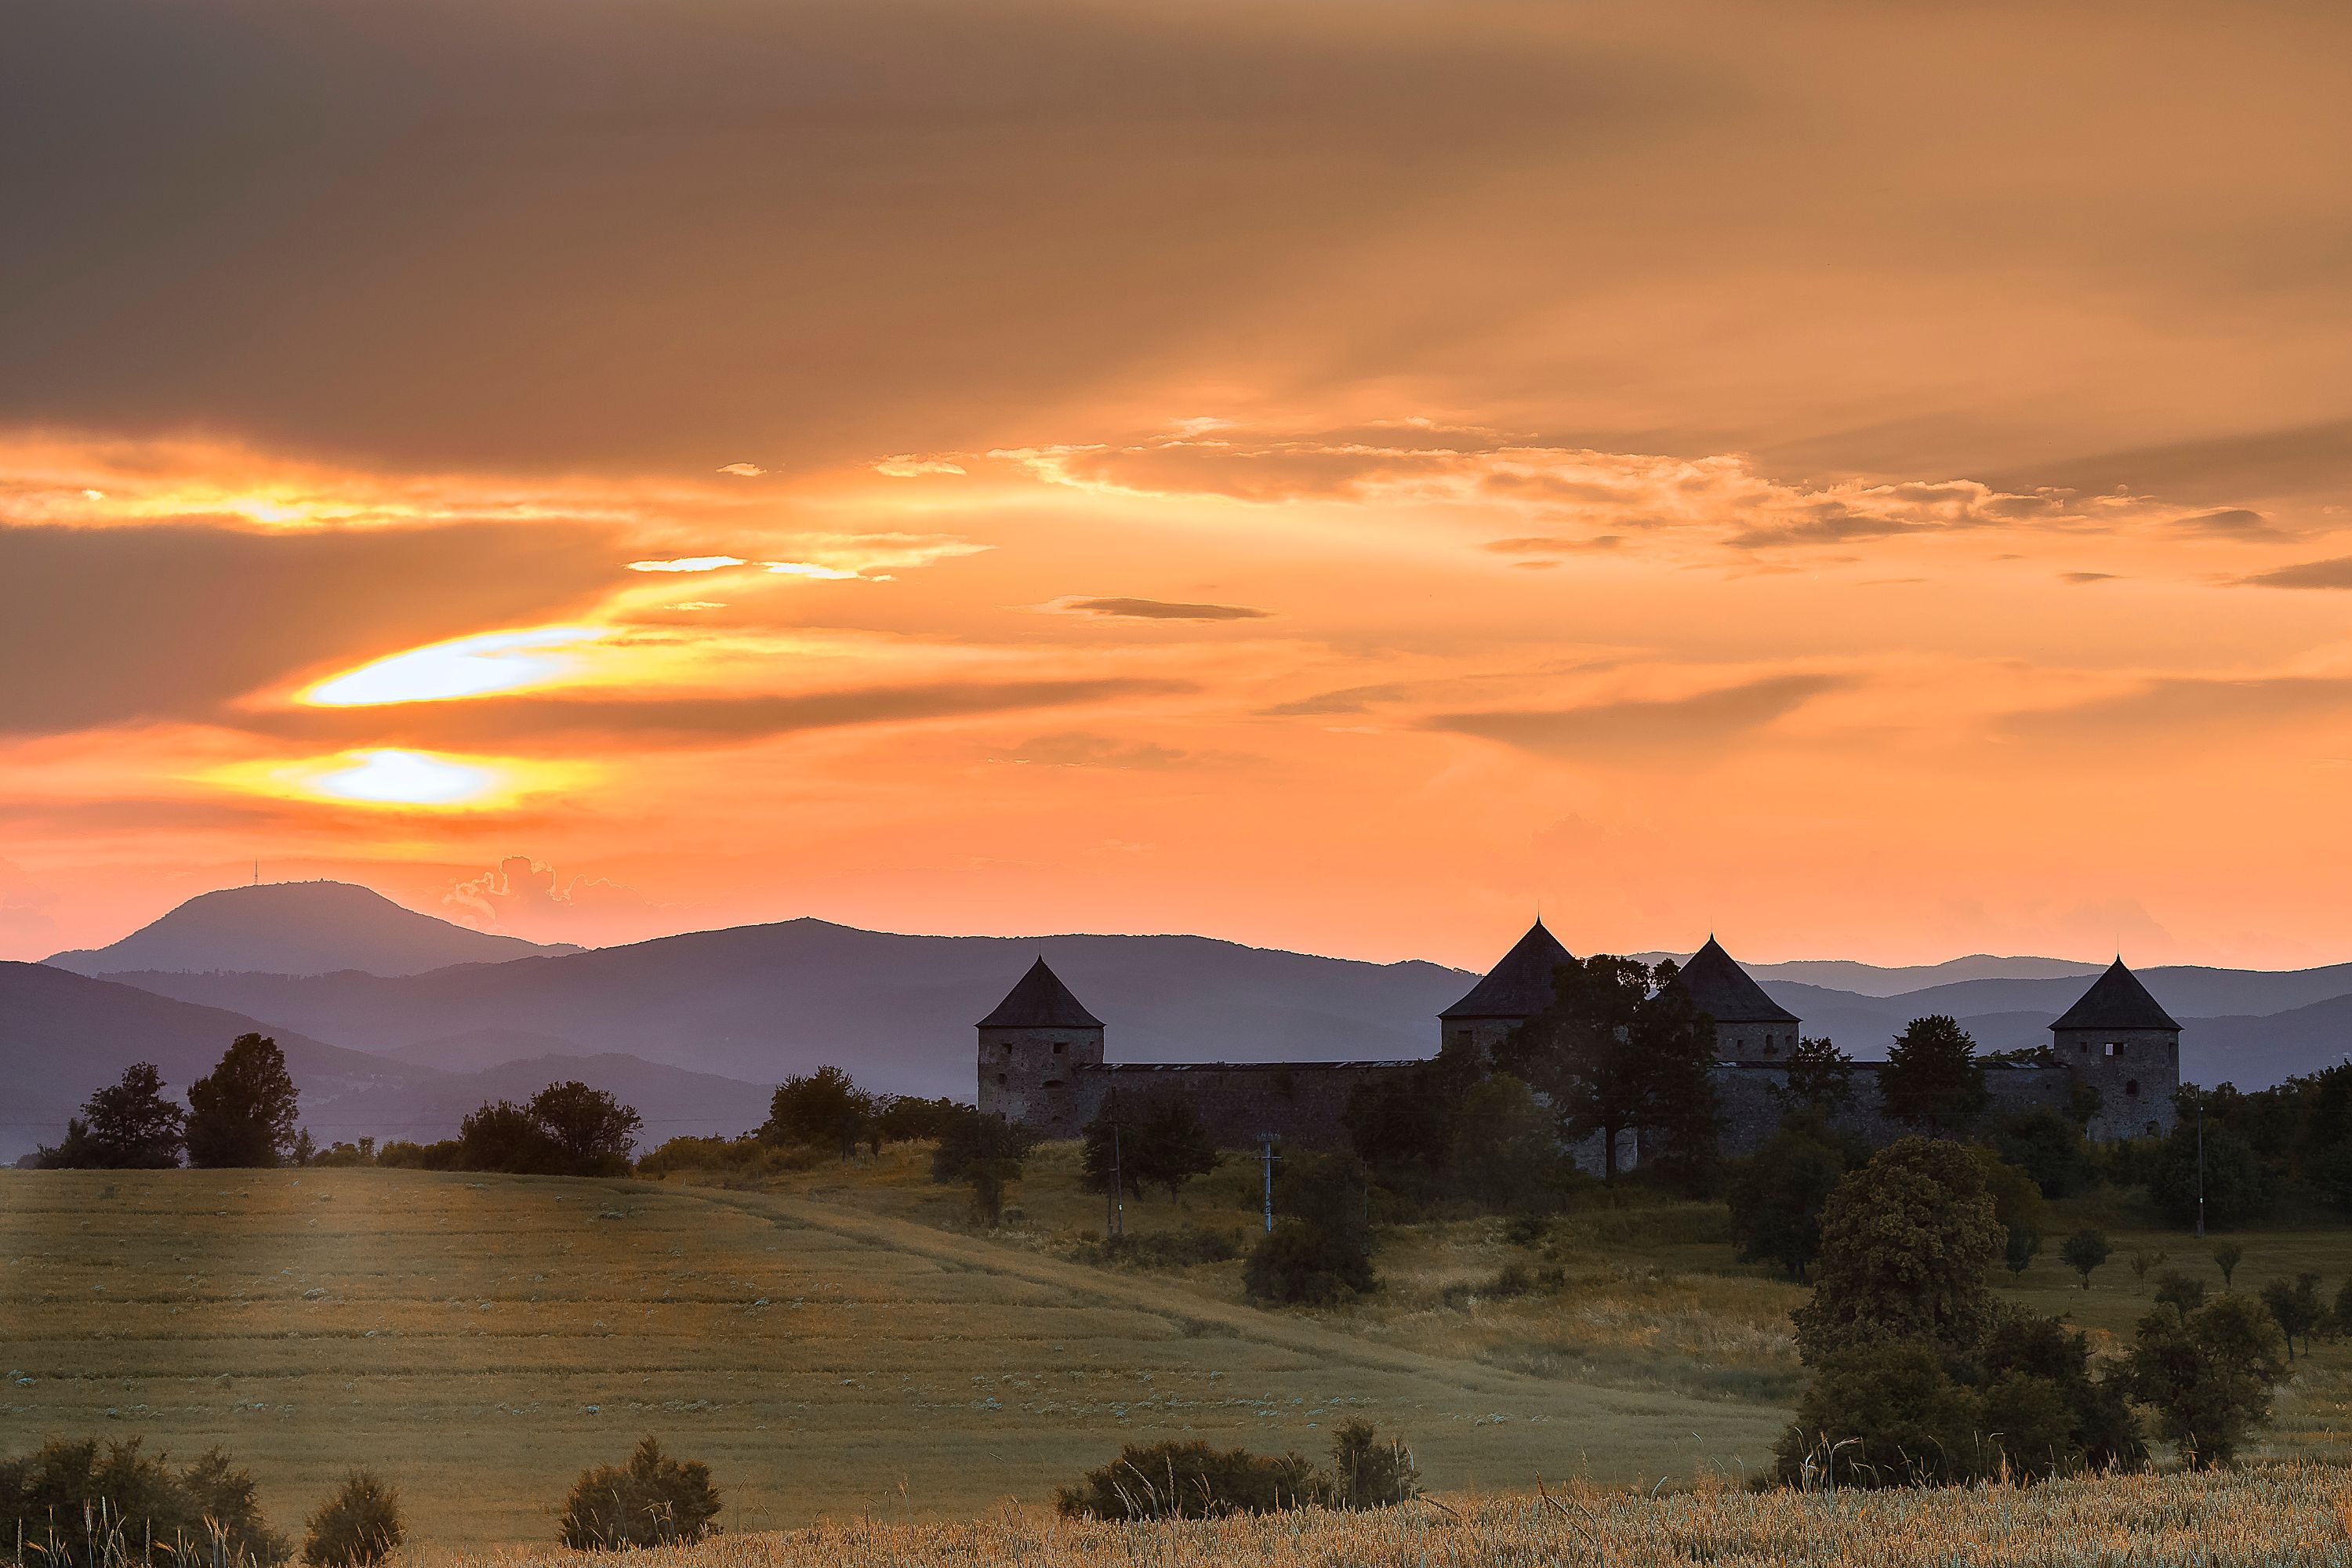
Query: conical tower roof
(1718, 987)
(1040, 1001)
(1520, 986)
(2117, 1000)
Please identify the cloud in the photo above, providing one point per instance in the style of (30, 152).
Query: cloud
(2293, 459)
(173, 621)
(1079, 749)
(1159, 610)
(2232, 523)
(688, 564)
(2336, 572)
(1349, 700)
(906, 466)
(522, 896)
(742, 470)
(523, 721)
(2167, 707)
(1553, 545)
(1703, 720)
(2081, 577)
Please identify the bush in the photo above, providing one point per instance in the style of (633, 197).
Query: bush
(823, 1109)
(746, 1157)
(1777, 1195)
(2048, 1146)
(2208, 1373)
(566, 1130)
(2175, 1288)
(1193, 1480)
(1303, 1262)
(401, 1154)
(1164, 1248)
(652, 1501)
(2235, 1189)
(1885, 1415)
(356, 1528)
(204, 1512)
(986, 1153)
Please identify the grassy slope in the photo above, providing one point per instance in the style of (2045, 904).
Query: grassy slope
(479, 1339)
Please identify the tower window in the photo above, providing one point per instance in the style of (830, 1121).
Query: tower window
(1000, 1080)
(2131, 1089)
(2114, 1048)
(1059, 1047)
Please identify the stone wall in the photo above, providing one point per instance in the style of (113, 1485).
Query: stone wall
(1751, 1111)
(1300, 1102)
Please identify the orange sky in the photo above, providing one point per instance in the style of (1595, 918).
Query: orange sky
(1864, 481)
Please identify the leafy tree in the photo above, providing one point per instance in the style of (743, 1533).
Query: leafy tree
(2049, 1146)
(1933, 1080)
(2296, 1308)
(824, 1107)
(504, 1136)
(126, 1126)
(1105, 1145)
(905, 1118)
(985, 1154)
(592, 1131)
(1622, 1048)
(358, 1527)
(2017, 1201)
(2086, 1251)
(2142, 1259)
(2101, 1430)
(1777, 1195)
(651, 1500)
(242, 1113)
(2235, 1188)
(1320, 1250)
(2209, 1375)
(2175, 1288)
(1172, 1144)
(1403, 1123)
(2226, 1257)
(1906, 1242)
(1367, 1472)
(1506, 1151)
(2025, 1247)
(1817, 1077)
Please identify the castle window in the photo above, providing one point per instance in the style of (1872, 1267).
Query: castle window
(2114, 1048)
(1000, 1080)
(2131, 1089)
(1058, 1048)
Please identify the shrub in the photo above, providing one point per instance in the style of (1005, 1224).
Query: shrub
(747, 1157)
(825, 1108)
(1302, 1262)
(1887, 1414)
(1777, 1196)
(2226, 1257)
(652, 1501)
(2208, 1373)
(2025, 1247)
(1164, 1248)
(566, 1130)
(986, 1153)
(1367, 1473)
(1192, 1481)
(401, 1154)
(204, 1513)
(356, 1528)
(2234, 1187)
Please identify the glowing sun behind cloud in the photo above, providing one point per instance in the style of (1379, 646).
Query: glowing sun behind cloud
(464, 666)
(392, 776)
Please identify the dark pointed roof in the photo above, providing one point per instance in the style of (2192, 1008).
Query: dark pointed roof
(1520, 986)
(2117, 1000)
(1040, 1001)
(1718, 987)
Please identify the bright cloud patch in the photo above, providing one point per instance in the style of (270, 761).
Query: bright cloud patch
(464, 667)
(906, 466)
(688, 564)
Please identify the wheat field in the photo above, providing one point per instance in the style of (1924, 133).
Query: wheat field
(2274, 1516)
(480, 1340)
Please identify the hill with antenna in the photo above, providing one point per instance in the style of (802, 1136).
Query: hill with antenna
(298, 928)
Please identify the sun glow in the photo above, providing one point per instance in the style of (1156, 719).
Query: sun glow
(391, 776)
(465, 666)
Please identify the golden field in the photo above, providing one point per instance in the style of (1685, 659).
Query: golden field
(2278, 1516)
(840, 1342)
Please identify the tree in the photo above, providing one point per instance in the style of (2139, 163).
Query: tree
(592, 1131)
(2017, 1201)
(1172, 1144)
(1506, 1150)
(242, 1113)
(1818, 1077)
(2142, 1260)
(2208, 1373)
(358, 1527)
(1622, 1048)
(1320, 1250)
(2174, 1288)
(2235, 1189)
(126, 1126)
(2296, 1308)
(824, 1107)
(506, 1136)
(1403, 1121)
(2086, 1251)
(1884, 1415)
(1777, 1195)
(1906, 1242)
(2049, 1146)
(2100, 1430)
(905, 1117)
(2226, 1258)
(652, 1501)
(1932, 1080)
(1107, 1146)
(986, 1153)
(2025, 1247)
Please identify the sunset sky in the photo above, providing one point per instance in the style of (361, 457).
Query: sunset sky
(1864, 481)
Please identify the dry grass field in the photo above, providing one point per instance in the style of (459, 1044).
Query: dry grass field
(840, 1342)
(479, 1339)
(2284, 1516)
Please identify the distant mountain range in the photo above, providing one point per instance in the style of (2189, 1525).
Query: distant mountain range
(693, 1029)
(297, 928)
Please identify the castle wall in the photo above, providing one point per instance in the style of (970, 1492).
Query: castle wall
(1300, 1102)
(2135, 1072)
(1751, 1109)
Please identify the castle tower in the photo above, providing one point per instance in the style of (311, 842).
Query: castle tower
(1032, 1051)
(1750, 1026)
(1514, 990)
(2120, 1040)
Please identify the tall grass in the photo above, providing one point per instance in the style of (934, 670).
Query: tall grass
(2298, 1515)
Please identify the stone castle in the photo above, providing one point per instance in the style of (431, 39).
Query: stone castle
(1041, 1058)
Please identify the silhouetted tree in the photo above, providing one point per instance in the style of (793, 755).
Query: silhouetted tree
(1906, 1242)
(652, 1501)
(508, 1137)
(1172, 1144)
(242, 1111)
(2208, 1373)
(2226, 1258)
(1818, 1077)
(1507, 1153)
(2049, 1146)
(1403, 1121)
(2085, 1251)
(1777, 1195)
(2025, 1247)
(1932, 1080)
(824, 1107)
(986, 1153)
(2296, 1308)
(126, 1126)
(592, 1133)
(1320, 1250)
(2234, 1186)
(1622, 1048)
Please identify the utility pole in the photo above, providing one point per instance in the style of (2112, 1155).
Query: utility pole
(1265, 1141)
(2200, 1166)
(1114, 1217)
